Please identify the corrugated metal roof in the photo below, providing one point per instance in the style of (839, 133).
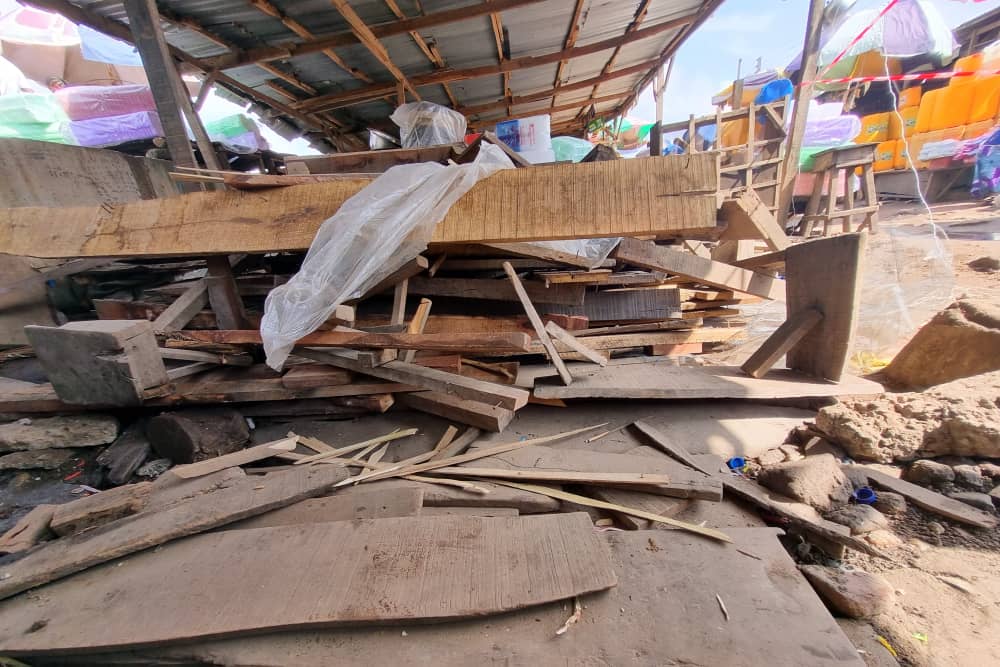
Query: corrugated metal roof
(533, 28)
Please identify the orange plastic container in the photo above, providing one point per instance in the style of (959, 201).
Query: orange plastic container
(911, 147)
(909, 126)
(976, 130)
(952, 108)
(971, 63)
(885, 153)
(874, 129)
(910, 97)
(985, 100)
(927, 103)
(899, 156)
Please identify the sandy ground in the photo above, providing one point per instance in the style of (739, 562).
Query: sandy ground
(948, 587)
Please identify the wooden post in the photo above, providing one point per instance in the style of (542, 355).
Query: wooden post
(803, 93)
(173, 103)
(223, 295)
(656, 134)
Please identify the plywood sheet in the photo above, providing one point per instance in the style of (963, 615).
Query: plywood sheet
(662, 612)
(314, 576)
(673, 195)
(664, 379)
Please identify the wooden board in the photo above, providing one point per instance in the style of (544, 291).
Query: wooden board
(667, 584)
(362, 503)
(706, 271)
(663, 196)
(437, 495)
(684, 482)
(663, 379)
(462, 324)
(747, 217)
(825, 274)
(536, 322)
(649, 502)
(369, 162)
(375, 341)
(621, 304)
(781, 341)
(311, 376)
(624, 341)
(930, 500)
(487, 416)
(233, 459)
(496, 290)
(385, 570)
(242, 499)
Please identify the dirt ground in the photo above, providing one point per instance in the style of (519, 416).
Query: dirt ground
(948, 585)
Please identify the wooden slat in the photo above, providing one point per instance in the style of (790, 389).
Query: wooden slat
(496, 290)
(536, 322)
(410, 561)
(930, 500)
(623, 304)
(184, 307)
(361, 340)
(660, 196)
(242, 457)
(748, 217)
(651, 256)
(781, 341)
(570, 341)
(485, 416)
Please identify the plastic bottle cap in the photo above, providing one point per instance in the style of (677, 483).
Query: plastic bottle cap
(736, 463)
(865, 496)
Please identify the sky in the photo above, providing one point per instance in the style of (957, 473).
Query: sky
(769, 30)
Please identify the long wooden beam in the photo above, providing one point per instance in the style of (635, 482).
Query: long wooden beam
(429, 49)
(640, 14)
(502, 342)
(661, 196)
(569, 106)
(572, 33)
(384, 30)
(371, 42)
(514, 64)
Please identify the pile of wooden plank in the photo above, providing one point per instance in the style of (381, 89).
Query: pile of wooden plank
(309, 540)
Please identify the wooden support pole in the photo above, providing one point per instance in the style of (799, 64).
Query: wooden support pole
(223, 294)
(803, 94)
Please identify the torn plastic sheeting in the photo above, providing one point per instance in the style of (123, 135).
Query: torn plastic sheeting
(591, 251)
(373, 234)
(427, 124)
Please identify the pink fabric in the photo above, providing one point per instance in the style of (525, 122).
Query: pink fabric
(86, 102)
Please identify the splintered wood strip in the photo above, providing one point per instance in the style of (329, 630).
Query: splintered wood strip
(312, 443)
(600, 504)
(459, 445)
(669, 196)
(241, 499)
(242, 457)
(536, 322)
(374, 571)
(388, 437)
(28, 531)
(416, 326)
(478, 454)
(446, 439)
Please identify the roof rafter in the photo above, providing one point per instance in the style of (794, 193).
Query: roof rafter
(569, 106)
(637, 18)
(377, 90)
(429, 49)
(497, 24)
(371, 42)
(571, 35)
(384, 30)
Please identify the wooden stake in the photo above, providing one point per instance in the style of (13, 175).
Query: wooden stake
(536, 322)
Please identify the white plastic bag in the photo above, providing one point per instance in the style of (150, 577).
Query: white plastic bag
(428, 124)
(373, 234)
(591, 252)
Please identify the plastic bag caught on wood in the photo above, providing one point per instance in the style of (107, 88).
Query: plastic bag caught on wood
(589, 252)
(427, 124)
(373, 234)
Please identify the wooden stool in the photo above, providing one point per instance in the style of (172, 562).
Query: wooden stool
(829, 165)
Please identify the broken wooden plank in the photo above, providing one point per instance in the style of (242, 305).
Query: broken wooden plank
(570, 341)
(558, 557)
(242, 499)
(375, 341)
(725, 276)
(459, 445)
(29, 530)
(536, 322)
(663, 379)
(630, 303)
(511, 398)
(218, 358)
(578, 463)
(485, 416)
(184, 307)
(311, 376)
(497, 290)
(99, 508)
(663, 196)
(416, 326)
(825, 274)
(358, 446)
(748, 217)
(364, 503)
(653, 503)
(242, 457)
(929, 500)
(784, 338)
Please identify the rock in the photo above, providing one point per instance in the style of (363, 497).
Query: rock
(995, 495)
(888, 502)
(960, 418)
(856, 476)
(960, 341)
(58, 432)
(982, 501)
(816, 446)
(45, 459)
(883, 539)
(791, 452)
(126, 454)
(860, 519)
(985, 264)
(771, 457)
(816, 481)
(969, 475)
(929, 473)
(991, 470)
(852, 593)
(935, 527)
(187, 436)
(154, 468)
